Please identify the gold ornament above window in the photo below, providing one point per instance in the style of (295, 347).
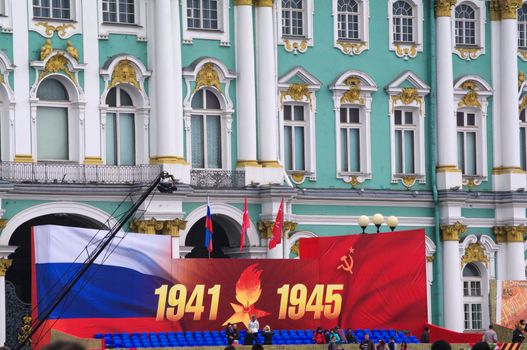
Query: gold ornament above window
(474, 253)
(46, 50)
(208, 77)
(471, 97)
(408, 96)
(124, 73)
(353, 94)
(72, 51)
(56, 64)
(51, 29)
(297, 91)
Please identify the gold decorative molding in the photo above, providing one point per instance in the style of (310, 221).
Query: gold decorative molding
(124, 73)
(265, 227)
(5, 264)
(298, 177)
(248, 163)
(407, 96)
(295, 248)
(3, 223)
(351, 48)
(207, 77)
(521, 78)
(408, 180)
(430, 258)
(471, 181)
(451, 232)
(502, 170)
(443, 7)
(447, 169)
(405, 51)
(25, 330)
(93, 160)
(494, 7)
(51, 29)
(523, 54)
(509, 233)
(168, 160)
(270, 164)
(467, 53)
(243, 2)
(46, 50)
(509, 8)
(474, 253)
(523, 103)
(56, 64)
(72, 51)
(353, 94)
(289, 226)
(23, 158)
(354, 181)
(297, 91)
(264, 3)
(172, 227)
(151, 226)
(471, 97)
(291, 45)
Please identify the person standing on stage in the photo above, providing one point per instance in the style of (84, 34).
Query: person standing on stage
(366, 343)
(229, 333)
(425, 337)
(517, 335)
(267, 335)
(490, 336)
(252, 331)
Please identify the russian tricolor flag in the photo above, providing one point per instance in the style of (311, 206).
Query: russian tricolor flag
(208, 229)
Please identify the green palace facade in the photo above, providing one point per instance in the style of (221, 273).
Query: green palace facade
(343, 108)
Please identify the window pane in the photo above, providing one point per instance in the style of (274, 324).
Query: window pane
(408, 118)
(212, 101)
(354, 115)
(299, 148)
(52, 90)
(197, 100)
(125, 99)
(213, 141)
(398, 152)
(354, 150)
(287, 112)
(299, 113)
(344, 148)
(461, 152)
(409, 162)
(344, 115)
(288, 148)
(111, 98)
(196, 126)
(460, 118)
(111, 149)
(126, 139)
(52, 133)
(471, 119)
(471, 153)
(398, 117)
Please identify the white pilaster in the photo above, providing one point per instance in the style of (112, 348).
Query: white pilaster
(92, 118)
(495, 59)
(23, 151)
(452, 287)
(245, 85)
(508, 174)
(448, 175)
(3, 310)
(515, 261)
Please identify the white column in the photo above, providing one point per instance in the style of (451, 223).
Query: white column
(167, 72)
(515, 261)
(245, 84)
(495, 67)
(23, 151)
(452, 282)
(429, 282)
(4, 265)
(508, 173)
(92, 118)
(448, 175)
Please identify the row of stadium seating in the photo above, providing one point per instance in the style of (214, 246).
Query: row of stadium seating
(218, 338)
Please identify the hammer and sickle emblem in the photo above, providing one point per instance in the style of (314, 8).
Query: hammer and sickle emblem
(347, 262)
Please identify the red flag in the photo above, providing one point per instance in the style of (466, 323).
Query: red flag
(278, 227)
(246, 223)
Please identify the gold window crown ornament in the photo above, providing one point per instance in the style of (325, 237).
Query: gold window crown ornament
(353, 94)
(474, 253)
(72, 51)
(46, 50)
(297, 91)
(471, 97)
(408, 96)
(208, 77)
(124, 73)
(56, 64)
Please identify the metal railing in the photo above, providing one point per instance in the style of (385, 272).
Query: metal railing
(208, 178)
(77, 173)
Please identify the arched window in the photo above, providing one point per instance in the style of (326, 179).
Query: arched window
(348, 20)
(472, 297)
(523, 139)
(205, 124)
(465, 24)
(293, 17)
(403, 22)
(120, 128)
(522, 27)
(52, 121)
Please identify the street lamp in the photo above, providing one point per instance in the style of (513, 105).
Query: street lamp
(378, 219)
(392, 222)
(363, 222)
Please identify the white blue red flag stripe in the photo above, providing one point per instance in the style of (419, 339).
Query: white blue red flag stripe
(208, 229)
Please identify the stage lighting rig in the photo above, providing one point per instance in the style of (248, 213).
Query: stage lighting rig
(167, 183)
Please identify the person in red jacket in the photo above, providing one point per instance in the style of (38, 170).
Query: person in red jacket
(318, 337)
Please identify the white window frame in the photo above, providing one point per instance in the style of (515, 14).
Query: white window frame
(471, 300)
(6, 17)
(476, 128)
(141, 106)
(523, 125)
(483, 91)
(471, 52)
(340, 88)
(71, 26)
(407, 50)
(117, 111)
(522, 51)
(225, 77)
(296, 43)
(415, 128)
(222, 34)
(138, 28)
(396, 91)
(312, 85)
(296, 124)
(353, 46)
